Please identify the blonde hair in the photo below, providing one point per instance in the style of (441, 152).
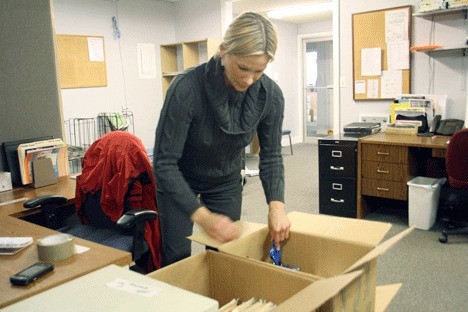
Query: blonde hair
(250, 34)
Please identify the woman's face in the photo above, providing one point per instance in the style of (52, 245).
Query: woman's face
(242, 71)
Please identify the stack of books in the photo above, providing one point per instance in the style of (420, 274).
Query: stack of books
(362, 128)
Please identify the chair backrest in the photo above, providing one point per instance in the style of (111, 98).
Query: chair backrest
(114, 165)
(457, 160)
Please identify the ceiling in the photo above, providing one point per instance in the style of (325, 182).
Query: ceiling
(262, 6)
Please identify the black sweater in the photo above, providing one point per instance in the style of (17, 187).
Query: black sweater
(204, 127)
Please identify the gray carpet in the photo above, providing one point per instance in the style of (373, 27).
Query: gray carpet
(434, 275)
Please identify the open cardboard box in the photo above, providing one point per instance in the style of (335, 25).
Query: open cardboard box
(223, 277)
(321, 247)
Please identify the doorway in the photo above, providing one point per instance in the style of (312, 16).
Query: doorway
(317, 60)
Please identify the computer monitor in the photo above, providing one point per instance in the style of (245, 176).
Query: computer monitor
(11, 156)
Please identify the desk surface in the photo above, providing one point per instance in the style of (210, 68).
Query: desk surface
(97, 257)
(436, 141)
(64, 187)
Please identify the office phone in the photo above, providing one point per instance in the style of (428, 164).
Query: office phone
(447, 126)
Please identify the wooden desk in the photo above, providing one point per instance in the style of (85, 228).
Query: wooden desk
(65, 187)
(97, 257)
(386, 162)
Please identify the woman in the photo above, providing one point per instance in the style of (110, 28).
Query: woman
(211, 113)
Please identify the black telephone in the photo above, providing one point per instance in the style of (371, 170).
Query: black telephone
(447, 126)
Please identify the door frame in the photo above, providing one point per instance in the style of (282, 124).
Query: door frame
(335, 35)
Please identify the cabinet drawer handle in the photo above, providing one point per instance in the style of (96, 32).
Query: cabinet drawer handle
(336, 154)
(336, 168)
(383, 153)
(337, 186)
(382, 189)
(382, 171)
(341, 201)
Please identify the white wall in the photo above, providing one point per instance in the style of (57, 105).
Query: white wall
(140, 21)
(448, 77)
(198, 19)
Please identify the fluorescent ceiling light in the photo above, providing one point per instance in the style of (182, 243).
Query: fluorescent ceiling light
(301, 10)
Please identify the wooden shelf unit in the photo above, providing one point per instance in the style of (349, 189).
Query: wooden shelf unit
(177, 57)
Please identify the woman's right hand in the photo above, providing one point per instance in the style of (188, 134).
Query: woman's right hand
(217, 226)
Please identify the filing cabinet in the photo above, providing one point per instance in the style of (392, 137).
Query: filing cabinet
(337, 176)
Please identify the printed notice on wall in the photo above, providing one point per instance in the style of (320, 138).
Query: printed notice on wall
(146, 60)
(95, 49)
(371, 62)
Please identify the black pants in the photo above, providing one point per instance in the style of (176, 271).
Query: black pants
(225, 199)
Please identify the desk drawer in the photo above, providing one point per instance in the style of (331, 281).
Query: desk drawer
(385, 153)
(384, 171)
(385, 189)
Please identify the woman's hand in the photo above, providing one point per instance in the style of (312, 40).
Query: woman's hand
(278, 222)
(217, 226)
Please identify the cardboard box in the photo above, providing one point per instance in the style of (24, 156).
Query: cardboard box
(322, 247)
(223, 277)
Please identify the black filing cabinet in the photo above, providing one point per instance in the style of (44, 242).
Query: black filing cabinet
(338, 175)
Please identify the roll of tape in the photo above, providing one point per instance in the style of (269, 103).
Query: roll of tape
(55, 247)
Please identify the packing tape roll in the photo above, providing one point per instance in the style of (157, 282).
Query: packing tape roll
(55, 247)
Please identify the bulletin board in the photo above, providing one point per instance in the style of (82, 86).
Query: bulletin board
(386, 33)
(82, 62)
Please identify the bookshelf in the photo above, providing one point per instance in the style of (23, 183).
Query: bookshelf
(176, 57)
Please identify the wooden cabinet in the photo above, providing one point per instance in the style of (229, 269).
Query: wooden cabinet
(176, 57)
(337, 177)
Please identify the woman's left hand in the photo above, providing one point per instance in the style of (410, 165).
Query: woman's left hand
(278, 222)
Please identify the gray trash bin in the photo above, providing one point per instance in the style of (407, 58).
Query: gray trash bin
(423, 199)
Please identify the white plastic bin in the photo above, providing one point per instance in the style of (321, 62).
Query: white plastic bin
(423, 200)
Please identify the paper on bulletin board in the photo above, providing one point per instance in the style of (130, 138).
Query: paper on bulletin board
(95, 49)
(371, 62)
(396, 25)
(372, 88)
(391, 83)
(398, 55)
(360, 87)
(146, 60)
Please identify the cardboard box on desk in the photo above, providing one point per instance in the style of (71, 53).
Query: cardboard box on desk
(322, 247)
(224, 277)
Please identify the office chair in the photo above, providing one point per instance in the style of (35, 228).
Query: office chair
(115, 200)
(454, 194)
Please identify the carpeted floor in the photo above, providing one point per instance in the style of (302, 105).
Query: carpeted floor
(434, 275)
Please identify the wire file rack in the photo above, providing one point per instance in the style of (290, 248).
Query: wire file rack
(82, 132)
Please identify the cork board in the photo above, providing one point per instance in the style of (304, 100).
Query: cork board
(82, 62)
(386, 33)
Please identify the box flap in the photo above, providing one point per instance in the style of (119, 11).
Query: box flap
(379, 250)
(384, 295)
(354, 230)
(245, 228)
(315, 295)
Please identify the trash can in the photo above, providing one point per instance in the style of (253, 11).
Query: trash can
(423, 200)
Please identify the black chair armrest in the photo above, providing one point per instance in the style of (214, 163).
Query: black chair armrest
(135, 216)
(45, 200)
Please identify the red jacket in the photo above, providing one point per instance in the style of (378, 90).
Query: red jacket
(109, 164)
